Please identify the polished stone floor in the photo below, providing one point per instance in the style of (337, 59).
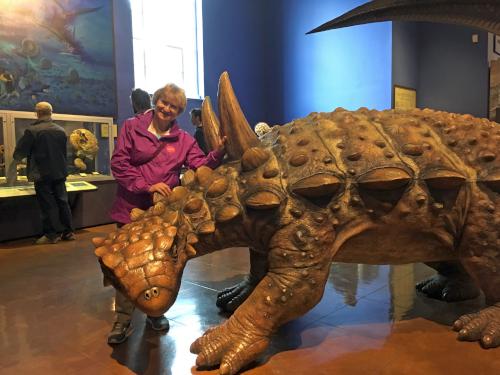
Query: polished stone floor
(55, 315)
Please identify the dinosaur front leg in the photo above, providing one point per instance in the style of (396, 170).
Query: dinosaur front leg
(480, 256)
(231, 298)
(293, 285)
(483, 326)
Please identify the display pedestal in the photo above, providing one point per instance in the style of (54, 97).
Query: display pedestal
(20, 216)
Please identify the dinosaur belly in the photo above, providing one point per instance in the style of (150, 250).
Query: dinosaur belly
(394, 245)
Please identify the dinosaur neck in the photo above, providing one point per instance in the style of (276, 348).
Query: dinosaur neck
(212, 210)
(223, 238)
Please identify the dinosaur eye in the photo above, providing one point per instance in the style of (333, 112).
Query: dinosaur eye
(155, 292)
(147, 295)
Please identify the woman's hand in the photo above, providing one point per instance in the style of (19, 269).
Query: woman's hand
(222, 147)
(161, 188)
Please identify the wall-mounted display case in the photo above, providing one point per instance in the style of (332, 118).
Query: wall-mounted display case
(90, 146)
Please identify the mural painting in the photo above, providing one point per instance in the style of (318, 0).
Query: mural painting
(60, 51)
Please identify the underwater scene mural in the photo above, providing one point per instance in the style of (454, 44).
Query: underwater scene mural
(60, 51)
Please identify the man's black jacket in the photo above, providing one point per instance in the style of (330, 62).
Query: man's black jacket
(44, 144)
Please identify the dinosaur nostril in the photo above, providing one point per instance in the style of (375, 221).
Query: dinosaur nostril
(147, 295)
(155, 292)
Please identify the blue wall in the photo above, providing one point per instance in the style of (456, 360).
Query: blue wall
(348, 67)
(236, 39)
(453, 72)
(279, 73)
(405, 54)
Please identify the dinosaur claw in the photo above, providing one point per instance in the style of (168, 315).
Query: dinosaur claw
(487, 341)
(458, 325)
(224, 369)
(200, 360)
(463, 334)
(194, 348)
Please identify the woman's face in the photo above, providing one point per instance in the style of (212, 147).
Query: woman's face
(167, 108)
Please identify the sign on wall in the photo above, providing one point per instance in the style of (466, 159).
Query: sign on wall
(494, 60)
(60, 51)
(404, 97)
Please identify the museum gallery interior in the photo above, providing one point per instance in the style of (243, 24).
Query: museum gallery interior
(357, 233)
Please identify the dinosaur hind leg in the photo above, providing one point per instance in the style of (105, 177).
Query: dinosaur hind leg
(451, 284)
(231, 298)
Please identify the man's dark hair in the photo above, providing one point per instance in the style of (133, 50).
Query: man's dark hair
(141, 101)
(195, 112)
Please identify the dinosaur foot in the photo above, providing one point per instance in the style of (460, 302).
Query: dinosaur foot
(231, 298)
(230, 345)
(483, 326)
(448, 289)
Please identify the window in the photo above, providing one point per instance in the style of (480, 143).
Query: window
(168, 44)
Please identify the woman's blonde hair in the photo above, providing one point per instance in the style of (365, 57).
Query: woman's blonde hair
(178, 93)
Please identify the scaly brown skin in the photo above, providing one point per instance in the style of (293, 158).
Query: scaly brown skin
(372, 187)
(293, 285)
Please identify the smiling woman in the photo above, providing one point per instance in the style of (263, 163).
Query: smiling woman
(169, 51)
(149, 154)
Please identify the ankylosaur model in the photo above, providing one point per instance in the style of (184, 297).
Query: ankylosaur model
(361, 187)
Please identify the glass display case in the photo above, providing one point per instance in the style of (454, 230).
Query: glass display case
(2, 147)
(89, 148)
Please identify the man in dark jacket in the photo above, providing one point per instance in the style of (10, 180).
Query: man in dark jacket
(198, 134)
(44, 145)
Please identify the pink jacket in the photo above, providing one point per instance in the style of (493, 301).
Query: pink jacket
(135, 172)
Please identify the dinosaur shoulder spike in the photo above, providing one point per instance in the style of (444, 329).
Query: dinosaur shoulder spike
(318, 185)
(211, 126)
(204, 175)
(188, 178)
(493, 181)
(193, 205)
(253, 158)
(178, 194)
(98, 241)
(171, 218)
(227, 213)
(192, 239)
(207, 227)
(444, 179)
(136, 214)
(240, 135)
(386, 178)
(263, 200)
(218, 187)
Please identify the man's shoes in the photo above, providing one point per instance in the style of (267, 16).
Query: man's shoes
(119, 333)
(44, 240)
(68, 236)
(158, 323)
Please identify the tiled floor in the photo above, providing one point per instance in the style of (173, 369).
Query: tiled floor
(55, 316)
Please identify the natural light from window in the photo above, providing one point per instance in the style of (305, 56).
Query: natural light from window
(168, 44)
